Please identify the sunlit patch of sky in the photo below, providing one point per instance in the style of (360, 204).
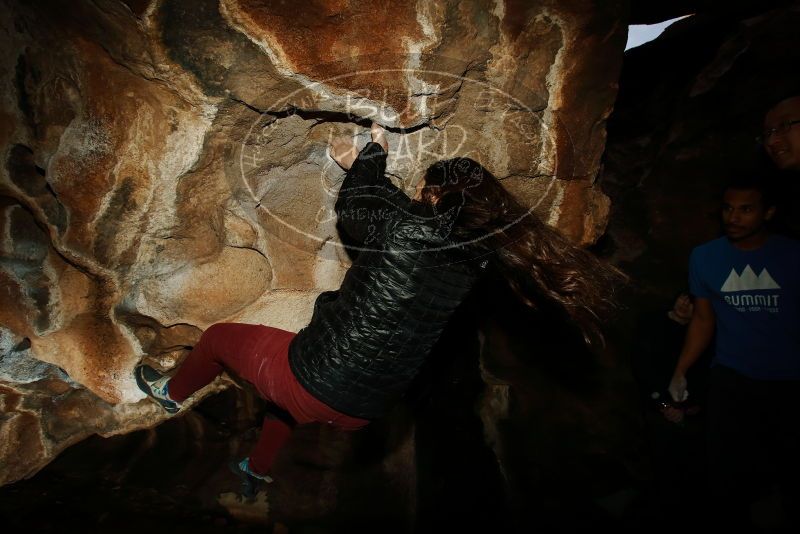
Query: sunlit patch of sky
(638, 34)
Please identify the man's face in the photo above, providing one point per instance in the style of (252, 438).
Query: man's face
(743, 213)
(784, 148)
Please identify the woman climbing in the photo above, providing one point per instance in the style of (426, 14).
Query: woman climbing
(417, 261)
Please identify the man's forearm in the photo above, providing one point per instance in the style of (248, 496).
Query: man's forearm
(698, 337)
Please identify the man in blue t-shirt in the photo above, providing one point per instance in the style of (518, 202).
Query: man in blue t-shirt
(747, 290)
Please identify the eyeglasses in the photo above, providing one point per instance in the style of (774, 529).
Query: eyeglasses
(781, 128)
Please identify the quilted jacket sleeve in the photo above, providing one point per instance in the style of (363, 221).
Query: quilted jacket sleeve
(367, 198)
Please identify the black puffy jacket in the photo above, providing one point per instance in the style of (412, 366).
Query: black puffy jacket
(367, 341)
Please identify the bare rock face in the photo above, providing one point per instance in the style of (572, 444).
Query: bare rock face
(165, 168)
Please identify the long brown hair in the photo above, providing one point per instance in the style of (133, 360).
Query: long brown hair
(536, 260)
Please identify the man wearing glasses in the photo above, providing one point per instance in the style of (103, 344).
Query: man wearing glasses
(781, 136)
(781, 141)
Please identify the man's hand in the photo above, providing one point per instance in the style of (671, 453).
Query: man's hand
(379, 136)
(672, 414)
(677, 388)
(343, 152)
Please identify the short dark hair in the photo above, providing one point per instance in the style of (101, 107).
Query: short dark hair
(753, 182)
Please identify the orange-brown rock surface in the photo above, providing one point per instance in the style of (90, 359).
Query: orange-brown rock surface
(166, 167)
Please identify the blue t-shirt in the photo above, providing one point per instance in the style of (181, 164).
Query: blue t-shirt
(756, 299)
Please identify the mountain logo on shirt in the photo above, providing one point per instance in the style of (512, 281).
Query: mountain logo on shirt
(748, 281)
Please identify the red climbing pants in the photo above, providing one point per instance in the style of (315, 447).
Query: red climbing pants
(259, 355)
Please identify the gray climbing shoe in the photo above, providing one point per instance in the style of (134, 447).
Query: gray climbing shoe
(156, 386)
